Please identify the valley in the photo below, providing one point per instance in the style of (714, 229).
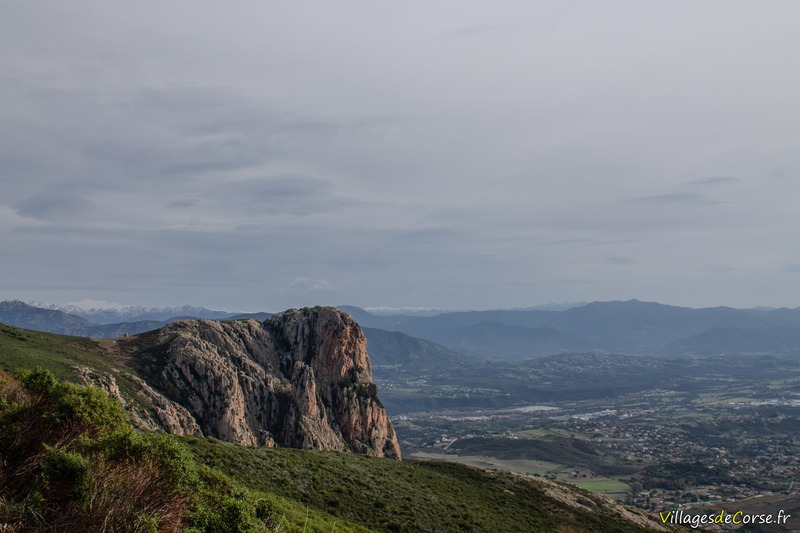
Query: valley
(656, 433)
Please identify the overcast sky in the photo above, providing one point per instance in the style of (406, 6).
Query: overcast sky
(258, 155)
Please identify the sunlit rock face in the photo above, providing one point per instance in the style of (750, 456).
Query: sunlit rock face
(300, 379)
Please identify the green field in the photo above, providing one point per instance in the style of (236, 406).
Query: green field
(598, 484)
(523, 466)
(604, 485)
(533, 433)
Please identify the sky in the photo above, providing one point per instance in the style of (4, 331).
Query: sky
(260, 155)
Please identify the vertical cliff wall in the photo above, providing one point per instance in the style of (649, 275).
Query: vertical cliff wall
(301, 379)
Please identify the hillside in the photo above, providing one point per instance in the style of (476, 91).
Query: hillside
(398, 351)
(295, 490)
(420, 496)
(72, 463)
(65, 445)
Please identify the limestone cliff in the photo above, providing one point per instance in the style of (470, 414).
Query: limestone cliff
(300, 379)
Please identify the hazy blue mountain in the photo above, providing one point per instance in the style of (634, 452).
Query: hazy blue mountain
(629, 327)
(367, 319)
(392, 348)
(773, 340)
(21, 315)
(497, 340)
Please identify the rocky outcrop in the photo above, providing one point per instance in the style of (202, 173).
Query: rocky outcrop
(300, 379)
(148, 409)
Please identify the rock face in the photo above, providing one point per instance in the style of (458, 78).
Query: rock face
(301, 379)
(161, 412)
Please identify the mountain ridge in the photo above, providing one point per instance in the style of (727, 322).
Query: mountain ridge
(628, 327)
(132, 313)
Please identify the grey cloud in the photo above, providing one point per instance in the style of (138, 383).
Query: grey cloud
(306, 285)
(676, 199)
(246, 126)
(424, 157)
(793, 269)
(359, 264)
(54, 205)
(283, 187)
(620, 260)
(296, 195)
(582, 242)
(488, 257)
(570, 241)
(164, 142)
(173, 134)
(719, 269)
(184, 202)
(715, 180)
(429, 236)
(476, 29)
(452, 215)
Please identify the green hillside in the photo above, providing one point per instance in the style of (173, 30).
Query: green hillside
(26, 349)
(388, 495)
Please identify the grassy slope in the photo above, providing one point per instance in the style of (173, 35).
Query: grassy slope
(389, 495)
(26, 349)
(23, 349)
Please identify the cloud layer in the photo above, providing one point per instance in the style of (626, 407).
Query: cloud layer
(264, 155)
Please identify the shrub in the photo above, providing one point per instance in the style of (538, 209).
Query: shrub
(72, 462)
(65, 472)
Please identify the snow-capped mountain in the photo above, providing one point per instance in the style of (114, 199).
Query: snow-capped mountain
(100, 312)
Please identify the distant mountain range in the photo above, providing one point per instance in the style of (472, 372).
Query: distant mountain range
(624, 327)
(21, 315)
(132, 313)
(631, 327)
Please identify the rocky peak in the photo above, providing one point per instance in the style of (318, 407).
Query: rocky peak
(301, 379)
(327, 340)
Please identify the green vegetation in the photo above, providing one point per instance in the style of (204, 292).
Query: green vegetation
(26, 349)
(524, 466)
(532, 433)
(72, 463)
(602, 485)
(388, 495)
(612, 488)
(64, 356)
